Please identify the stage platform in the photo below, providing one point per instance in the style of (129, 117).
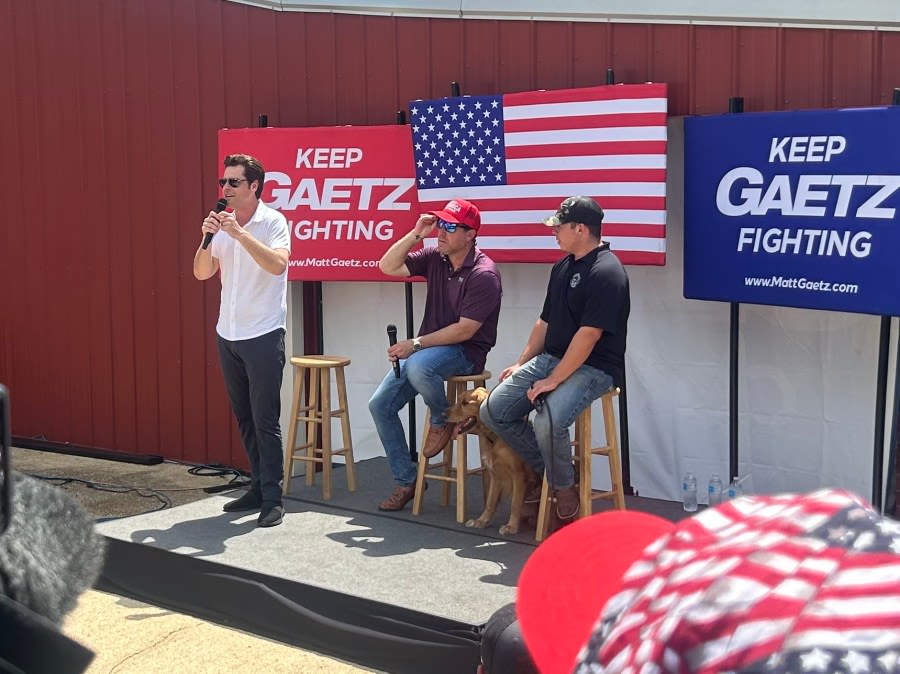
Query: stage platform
(426, 565)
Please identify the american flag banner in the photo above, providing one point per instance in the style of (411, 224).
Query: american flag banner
(517, 156)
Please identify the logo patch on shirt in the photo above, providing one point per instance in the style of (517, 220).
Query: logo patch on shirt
(575, 280)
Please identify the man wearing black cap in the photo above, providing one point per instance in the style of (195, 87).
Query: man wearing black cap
(458, 329)
(574, 354)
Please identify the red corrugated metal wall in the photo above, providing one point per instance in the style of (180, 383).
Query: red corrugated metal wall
(109, 140)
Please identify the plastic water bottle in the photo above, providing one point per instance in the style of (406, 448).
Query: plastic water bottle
(714, 490)
(736, 488)
(689, 492)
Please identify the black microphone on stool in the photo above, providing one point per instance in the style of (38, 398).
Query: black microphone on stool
(392, 339)
(221, 204)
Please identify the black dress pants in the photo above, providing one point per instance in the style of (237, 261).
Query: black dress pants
(253, 369)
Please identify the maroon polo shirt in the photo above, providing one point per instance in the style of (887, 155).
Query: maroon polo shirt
(471, 292)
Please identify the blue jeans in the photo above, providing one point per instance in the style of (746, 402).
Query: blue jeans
(545, 441)
(423, 373)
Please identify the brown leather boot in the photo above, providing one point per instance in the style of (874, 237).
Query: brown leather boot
(437, 439)
(566, 508)
(399, 498)
(566, 503)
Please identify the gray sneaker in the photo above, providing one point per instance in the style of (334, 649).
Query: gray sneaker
(249, 501)
(270, 516)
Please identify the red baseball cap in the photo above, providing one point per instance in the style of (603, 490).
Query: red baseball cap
(567, 580)
(461, 212)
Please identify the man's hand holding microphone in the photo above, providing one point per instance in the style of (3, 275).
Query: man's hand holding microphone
(392, 341)
(398, 351)
(220, 219)
(212, 223)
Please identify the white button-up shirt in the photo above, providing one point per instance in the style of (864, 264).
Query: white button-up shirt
(253, 301)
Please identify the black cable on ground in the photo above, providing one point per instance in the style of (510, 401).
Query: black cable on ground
(238, 477)
(143, 492)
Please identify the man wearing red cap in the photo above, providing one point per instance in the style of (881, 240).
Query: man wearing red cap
(458, 329)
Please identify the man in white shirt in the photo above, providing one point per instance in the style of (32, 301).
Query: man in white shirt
(251, 254)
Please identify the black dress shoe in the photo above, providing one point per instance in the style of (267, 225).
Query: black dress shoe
(270, 516)
(249, 501)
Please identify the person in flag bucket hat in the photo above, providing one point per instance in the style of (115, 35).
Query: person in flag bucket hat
(763, 584)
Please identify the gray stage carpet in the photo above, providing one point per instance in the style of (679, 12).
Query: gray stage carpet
(427, 563)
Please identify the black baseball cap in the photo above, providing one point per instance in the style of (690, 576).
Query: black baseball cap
(577, 209)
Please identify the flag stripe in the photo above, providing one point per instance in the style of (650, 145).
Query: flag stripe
(591, 135)
(616, 92)
(648, 106)
(654, 119)
(609, 230)
(594, 189)
(596, 176)
(576, 149)
(621, 217)
(641, 244)
(580, 163)
(518, 156)
(616, 230)
(549, 204)
(549, 257)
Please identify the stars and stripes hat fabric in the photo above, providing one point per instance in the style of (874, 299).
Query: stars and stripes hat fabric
(518, 155)
(760, 584)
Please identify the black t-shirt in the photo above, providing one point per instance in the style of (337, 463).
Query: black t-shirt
(592, 291)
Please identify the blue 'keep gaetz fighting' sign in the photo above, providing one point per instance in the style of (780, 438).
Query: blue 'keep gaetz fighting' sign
(798, 209)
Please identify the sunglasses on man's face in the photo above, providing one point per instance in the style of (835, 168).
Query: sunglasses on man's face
(450, 227)
(234, 182)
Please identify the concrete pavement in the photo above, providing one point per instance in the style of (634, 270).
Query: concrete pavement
(131, 637)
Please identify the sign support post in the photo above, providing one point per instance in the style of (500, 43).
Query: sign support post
(735, 105)
(881, 407)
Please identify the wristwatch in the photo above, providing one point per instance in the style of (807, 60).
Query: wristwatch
(417, 344)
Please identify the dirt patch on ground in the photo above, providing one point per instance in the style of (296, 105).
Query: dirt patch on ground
(111, 489)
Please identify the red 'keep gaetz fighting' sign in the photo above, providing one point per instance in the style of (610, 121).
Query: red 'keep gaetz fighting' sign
(347, 192)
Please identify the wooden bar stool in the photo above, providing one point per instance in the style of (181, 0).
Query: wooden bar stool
(317, 415)
(450, 473)
(584, 454)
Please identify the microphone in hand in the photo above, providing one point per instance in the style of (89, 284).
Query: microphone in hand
(207, 238)
(392, 339)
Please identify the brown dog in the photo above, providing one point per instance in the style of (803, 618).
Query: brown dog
(507, 472)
